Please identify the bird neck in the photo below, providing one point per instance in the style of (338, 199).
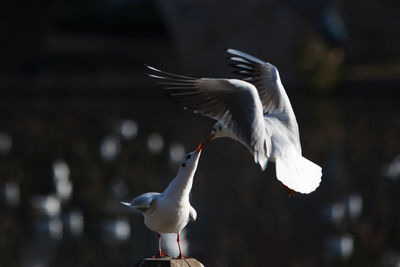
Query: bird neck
(180, 187)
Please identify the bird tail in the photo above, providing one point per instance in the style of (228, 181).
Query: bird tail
(298, 173)
(126, 204)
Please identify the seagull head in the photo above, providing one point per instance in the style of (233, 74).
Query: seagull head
(191, 159)
(217, 131)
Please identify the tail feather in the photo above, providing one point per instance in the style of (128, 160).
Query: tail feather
(126, 204)
(298, 173)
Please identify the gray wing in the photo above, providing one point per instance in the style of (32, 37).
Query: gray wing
(264, 76)
(233, 102)
(143, 202)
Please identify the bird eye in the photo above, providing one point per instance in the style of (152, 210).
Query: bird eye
(188, 156)
(183, 165)
(220, 128)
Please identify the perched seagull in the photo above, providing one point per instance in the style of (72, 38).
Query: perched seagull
(255, 111)
(170, 211)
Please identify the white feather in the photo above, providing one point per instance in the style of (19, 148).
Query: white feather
(126, 204)
(297, 172)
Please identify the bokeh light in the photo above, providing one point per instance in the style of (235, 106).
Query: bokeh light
(5, 143)
(11, 192)
(48, 205)
(176, 152)
(392, 169)
(155, 143)
(128, 129)
(74, 221)
(116, 230)
(110, 148)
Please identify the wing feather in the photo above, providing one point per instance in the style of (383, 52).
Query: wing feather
(233, 102)
(264, 76)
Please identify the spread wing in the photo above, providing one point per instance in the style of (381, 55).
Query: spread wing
(264, 76)
(233, 102)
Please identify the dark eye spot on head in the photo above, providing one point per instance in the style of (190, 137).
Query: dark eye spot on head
(220, 128)
(183, 165)
(214, 129)
(188, 156)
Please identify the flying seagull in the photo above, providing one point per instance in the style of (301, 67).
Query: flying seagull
(255, 111)
(170, 211)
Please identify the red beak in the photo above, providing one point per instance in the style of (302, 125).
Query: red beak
(209, 137)
(199, 148)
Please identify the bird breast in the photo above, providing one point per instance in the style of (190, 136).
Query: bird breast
(168, 217)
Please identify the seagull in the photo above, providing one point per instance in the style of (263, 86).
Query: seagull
(170, 211)
(255, 111)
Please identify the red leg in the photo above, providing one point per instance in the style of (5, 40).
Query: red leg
(288, 190)
(179, 246)
(160, 254)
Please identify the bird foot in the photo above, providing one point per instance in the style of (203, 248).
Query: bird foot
(288, 190)
(180, 257)
(160, 254)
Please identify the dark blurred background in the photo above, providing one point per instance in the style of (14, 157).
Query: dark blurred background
(83, 128)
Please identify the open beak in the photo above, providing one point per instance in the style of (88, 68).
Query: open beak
(199, 148)
(210, 137)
